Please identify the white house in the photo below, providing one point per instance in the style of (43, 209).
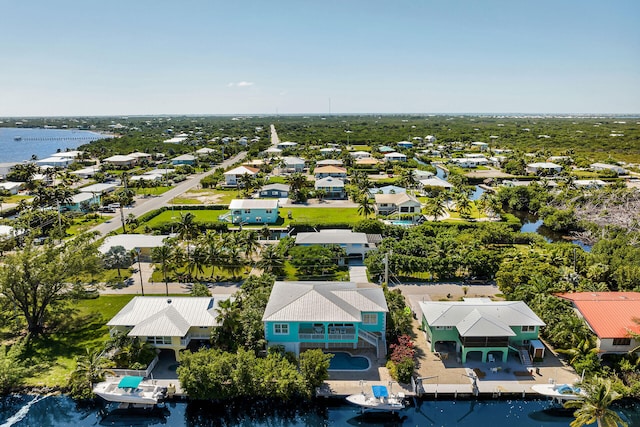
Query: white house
(546, 168)
(121, 161)
(404, 144)
(329, 162)
(232, 177)
(286, 144)
(354, 244)
(360, 155)
(395, 157)
(73, 154)
(169, 322)
(330, 171)
(12, 187)
(470, 162)
(328, 151)
(403, 203)
(141, 243)
(434, 181)
(100, 188)
(204, 151)
(58, 162)
(333, 187)
(606, 166)
(293, 164)
(482, 146)
(87, 172)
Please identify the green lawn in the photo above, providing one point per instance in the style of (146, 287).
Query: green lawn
(206, 196)
(174, 216)
(152, 191)
(15, 198)
(55, 353)
(80, 225)
(361, 148)
(219, 275)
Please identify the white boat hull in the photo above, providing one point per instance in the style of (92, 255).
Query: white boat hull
(560, 392)
(144, 394)
(371, 403)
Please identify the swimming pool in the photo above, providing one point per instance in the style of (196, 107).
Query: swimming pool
(342, 361)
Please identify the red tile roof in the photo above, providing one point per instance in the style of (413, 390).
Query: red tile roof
(609, 314)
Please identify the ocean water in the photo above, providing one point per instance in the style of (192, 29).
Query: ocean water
(58, 411)
(40, 142)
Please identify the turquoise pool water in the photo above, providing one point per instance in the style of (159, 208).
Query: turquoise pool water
(345, 362)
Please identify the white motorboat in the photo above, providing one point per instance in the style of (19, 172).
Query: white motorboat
(559, 392)
(130, 390)
(379, 400)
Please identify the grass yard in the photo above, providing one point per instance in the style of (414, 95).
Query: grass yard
(152, 191)
(15, 198)
(55, 353)
(80, 225)
(174, 216)
(206, 196)
(219, 275)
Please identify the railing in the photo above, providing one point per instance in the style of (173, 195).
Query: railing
(137, 372)
(310, 336)
(368, 336)
(342, 337)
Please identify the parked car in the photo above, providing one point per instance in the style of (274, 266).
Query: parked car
(476, 280)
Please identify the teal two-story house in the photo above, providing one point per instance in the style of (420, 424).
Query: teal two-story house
(479, 325)
(326, 315)
(251, 211)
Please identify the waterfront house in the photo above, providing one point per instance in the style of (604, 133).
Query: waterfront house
(333, 187)
(251, 211)
(387, 189)
(420, 174)
(402, 203)
(142, 244)
(330, 171)
(274, 190)
(470, 162)
(479, 325)
(232, 177)
(543, 168)
(434, 181)
(326, 315)
(171, 323)
(611, 316)
(87, 172)
(121, 161)
(56, 162)
(185, 159)
(395, 157)
(80, 201)
(354, 244)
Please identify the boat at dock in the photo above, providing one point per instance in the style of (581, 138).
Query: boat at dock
(559, 392)
(379, 400)
(130, 390)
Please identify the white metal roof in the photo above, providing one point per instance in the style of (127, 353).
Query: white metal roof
(97, 188)
(329, 182)
(68, 154)
(185, 157)
(434, 181)
(168, 316)
(132, 241)
(480, 317)
(322, 302)
(119, 158)
(241, 170)
(327, 237)
(396, 199)
(253, 204)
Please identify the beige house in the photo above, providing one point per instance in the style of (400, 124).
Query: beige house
(403, 203)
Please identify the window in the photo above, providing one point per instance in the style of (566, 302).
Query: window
(258, 219)
(281, 329)
(247, 211)
(370, 318)
(269, 211)
(622, 341)
(528, 329)
(159, 340)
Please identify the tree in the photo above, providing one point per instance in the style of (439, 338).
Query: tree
(364, 205)
(200, 290)
(271, 261)
(314, 367)
(163, 255)
(117, 257)
(36, 281)
(594, 406)
(13, 368)
(91, 368)
(436, 207)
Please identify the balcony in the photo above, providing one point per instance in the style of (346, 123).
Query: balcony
(331, 333)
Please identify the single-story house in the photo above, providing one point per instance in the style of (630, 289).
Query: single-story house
(387, 189)
(204, 151)
(353, 243)
(78, 201)
(327, 315)
(329, 162)
(5, 168)
(360, 155)
(121, 161)
(71, 154)
(100, 188)
(56, 162)
(333, 187)
(589, 184)
(139, 156)
(611, 316)
(8, 232)
(176, 139)
(142, 243)
(470, 162)
(434, 181)
(479, 325)
(12, 187)
(395, 157)
(251, 211)
(330, 171)
(185, 159)
(402, 203)
(606, 166)
(482, 146)
(146, 177)
(430, 138)
(546, 168)
(567, 159)
(385, 149)
(272, 152)
(420, 174)
(286, 144)
(87, 172)
(232, 177)
(329, 151)
(404, 144)
(369, 161)
(169, 322)
(275, 190)
(293, 164)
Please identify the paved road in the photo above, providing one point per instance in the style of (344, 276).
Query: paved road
(274, 136)
(144, 205)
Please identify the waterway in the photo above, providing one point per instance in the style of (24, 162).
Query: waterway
(18, 144)
(58, 411)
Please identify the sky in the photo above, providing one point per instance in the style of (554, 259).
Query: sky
(124, 57)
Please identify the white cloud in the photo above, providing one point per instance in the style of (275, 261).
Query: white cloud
(240, 84)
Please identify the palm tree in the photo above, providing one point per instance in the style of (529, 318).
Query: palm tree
(463, 204)
(437, 207)
(186, 227)
(594, 406)
(407, 178)
(229, 321)
(90, 369)
(296, 181)
(248, 241)
(271, 261)
(163, 255)
(365, 208)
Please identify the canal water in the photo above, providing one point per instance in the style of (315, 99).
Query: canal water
(58, 411)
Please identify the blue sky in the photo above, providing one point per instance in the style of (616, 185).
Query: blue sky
(245, 57)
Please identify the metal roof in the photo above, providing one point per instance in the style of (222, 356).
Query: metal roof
(322, 302)
(132, 241)
(327, 237)
(253, 204)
